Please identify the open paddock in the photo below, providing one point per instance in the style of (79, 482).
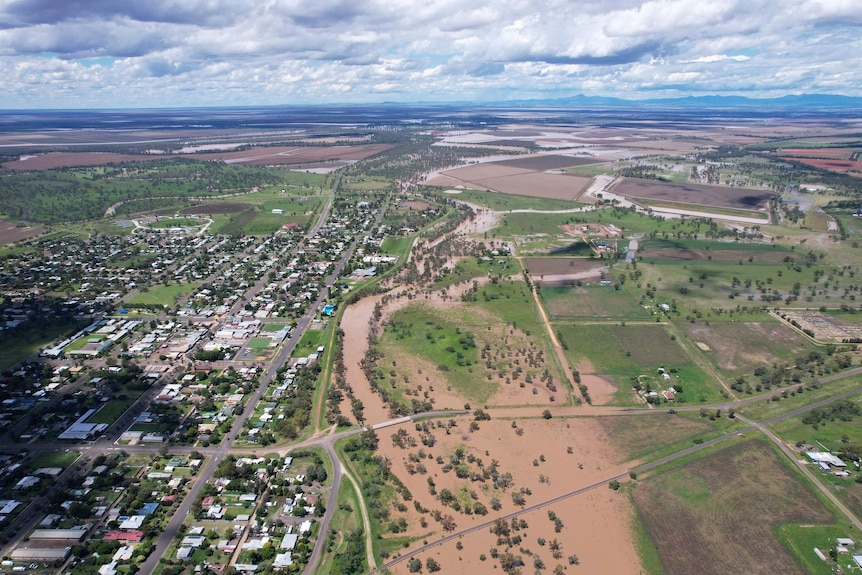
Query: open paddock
(832, 153)
(503, 202)
(509, 179)
(561, 269)
(717, 514)
(698, 194)
(275, 155)
(592, 302)
(53, 160)
(540, 185)
(224, 208)
(725, 256)
(484, 171)
(833, 165)
(11, 232)
(544, 162)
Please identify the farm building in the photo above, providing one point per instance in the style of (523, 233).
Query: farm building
(825, 458)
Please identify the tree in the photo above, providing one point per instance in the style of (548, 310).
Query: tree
(547, 414)
(432, 565)
(414, 565)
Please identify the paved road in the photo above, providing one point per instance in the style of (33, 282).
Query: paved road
(206, 473)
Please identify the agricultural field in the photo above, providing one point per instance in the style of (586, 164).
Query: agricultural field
(510, 179)
(592, 302)
(704, 515)
(739, 347)
(290, 155)
(566, 270)
(650, 436)
(503, 202)
(52, 160)
(697, 194)
(853, 168)
(547, 162)
(11, 232)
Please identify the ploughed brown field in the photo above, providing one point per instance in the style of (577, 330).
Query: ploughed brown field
(10, 232)
(508, 179)
(72, 159)
(698, 194)
(834, 165)
(544, 162)
(836, 153)
(560, 268)
(715, 515)
(269, 156)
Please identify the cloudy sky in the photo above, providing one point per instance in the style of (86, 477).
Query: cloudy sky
(172, 53)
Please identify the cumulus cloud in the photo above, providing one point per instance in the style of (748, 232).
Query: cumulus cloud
(209, 52)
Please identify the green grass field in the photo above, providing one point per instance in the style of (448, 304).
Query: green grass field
(396, 246)
(426, 332)
(165, 295)
(177, 223)
(111, 411)
(309, 342)
(633, 353)
(259, 343)
(592, 302)
(54, 459)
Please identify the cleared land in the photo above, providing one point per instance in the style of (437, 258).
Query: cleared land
(557, 270)
(699, 194)
(547, 162)
(510, 179)
(845, 166)
(717, 514)
(71, 159)
(593, 302)
(11, 232)
(834, 153)
(270, 156)
(740, 347)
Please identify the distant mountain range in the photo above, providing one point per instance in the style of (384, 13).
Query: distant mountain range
(801, 101)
